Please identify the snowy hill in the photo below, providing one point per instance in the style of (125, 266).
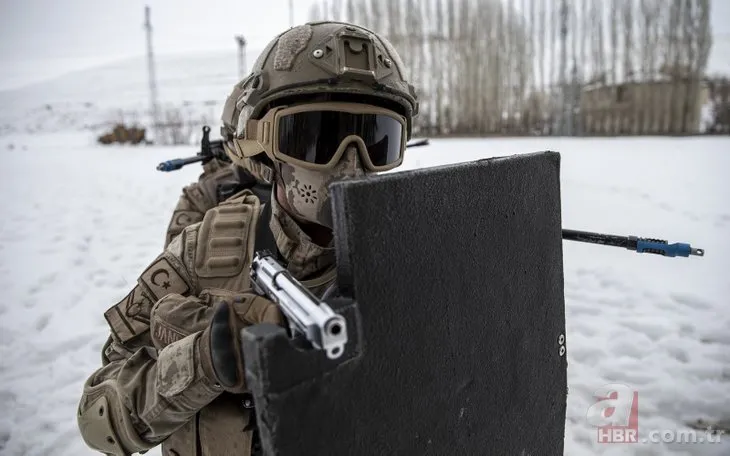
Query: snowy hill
(196, 83)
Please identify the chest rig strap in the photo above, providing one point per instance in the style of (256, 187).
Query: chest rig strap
(265, 238)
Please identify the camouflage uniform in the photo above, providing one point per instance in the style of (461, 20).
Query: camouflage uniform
(151, 383)
(167, 375)
(197, 198)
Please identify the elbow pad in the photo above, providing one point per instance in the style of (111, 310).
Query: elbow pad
(107, 427)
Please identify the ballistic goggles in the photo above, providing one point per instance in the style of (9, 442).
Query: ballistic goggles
(315, 136)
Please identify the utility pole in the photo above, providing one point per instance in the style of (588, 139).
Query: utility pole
(154, 109)
(241, 56)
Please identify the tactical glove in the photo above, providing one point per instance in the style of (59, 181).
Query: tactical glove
(220, 343)
(174, 317)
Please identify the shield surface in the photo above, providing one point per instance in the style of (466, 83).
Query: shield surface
(457, 338)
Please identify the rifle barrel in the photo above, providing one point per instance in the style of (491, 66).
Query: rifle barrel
(177, 163)
(597, 238)
(637, 244)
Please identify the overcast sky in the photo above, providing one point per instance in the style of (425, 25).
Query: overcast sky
(44, 38)
(96, 28)
(65, 35)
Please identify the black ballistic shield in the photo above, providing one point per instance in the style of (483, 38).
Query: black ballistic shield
(456, 336)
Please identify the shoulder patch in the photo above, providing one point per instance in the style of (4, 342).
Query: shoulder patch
(130, 317)
(181, 219)
(222, 246)
(161, 279)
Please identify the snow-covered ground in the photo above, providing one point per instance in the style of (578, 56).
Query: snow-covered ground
(80, 222)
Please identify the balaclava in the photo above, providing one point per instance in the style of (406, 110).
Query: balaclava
(306, 192)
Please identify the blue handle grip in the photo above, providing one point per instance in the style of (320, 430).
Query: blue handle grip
(171, 165)
(669, 250)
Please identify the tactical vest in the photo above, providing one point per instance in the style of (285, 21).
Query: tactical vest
(231, 232)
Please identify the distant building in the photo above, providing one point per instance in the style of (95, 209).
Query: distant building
(662, 105)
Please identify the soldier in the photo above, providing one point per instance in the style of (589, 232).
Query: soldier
(325, 101)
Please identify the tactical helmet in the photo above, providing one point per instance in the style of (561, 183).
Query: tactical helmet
(315, 59)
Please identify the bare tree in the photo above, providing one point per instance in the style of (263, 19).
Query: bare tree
(513, 66)
(315, 12)
(439, 80)
(583, 37)
(697, 43)
(351, 15)
(549, 34)
(544, 81)
(423, 67)
(599, 5)
(626, 41)
(646, 74)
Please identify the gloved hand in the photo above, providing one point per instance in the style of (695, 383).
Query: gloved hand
(175, 316)
(220, 343)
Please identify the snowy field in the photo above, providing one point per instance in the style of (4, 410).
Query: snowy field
(80, 222)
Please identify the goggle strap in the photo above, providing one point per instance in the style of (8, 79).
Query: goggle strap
(252, 129)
